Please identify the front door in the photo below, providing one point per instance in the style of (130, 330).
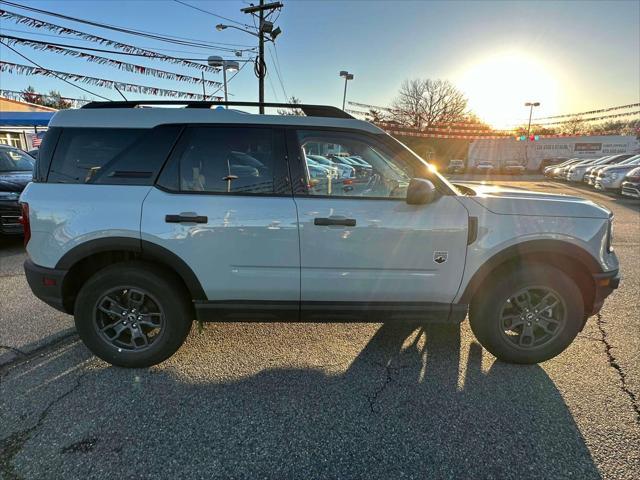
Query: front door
(360, 242)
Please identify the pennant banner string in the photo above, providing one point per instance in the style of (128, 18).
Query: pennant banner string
(129, 67)
(41, 24)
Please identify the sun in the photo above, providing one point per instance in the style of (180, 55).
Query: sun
(498, 86)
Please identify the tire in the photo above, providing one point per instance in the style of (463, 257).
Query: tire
(120, 288)
(523, 340)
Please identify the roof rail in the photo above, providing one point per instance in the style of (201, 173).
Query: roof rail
(309, 110)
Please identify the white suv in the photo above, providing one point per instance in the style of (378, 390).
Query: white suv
(140, 220)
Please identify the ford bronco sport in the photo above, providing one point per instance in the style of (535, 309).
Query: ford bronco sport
(140, 220)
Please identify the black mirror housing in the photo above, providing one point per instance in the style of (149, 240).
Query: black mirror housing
(420, 191)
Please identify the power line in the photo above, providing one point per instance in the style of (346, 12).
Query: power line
(39, 34)
(91, 49)
(155, 36)
(54, 74)
(231, 78)
(210, 13)
(276, 64)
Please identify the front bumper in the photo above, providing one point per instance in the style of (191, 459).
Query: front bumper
(46, 284)
(605, 284)
(631, 189)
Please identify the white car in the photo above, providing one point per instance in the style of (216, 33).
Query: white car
(485, 167)
(344, 171)
(611, 177)
(140, 220)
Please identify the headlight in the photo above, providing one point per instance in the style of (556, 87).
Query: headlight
(9, 195)
(613, 176)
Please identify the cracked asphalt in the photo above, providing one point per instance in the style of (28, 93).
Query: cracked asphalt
(324, 400)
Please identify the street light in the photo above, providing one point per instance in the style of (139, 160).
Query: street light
(347, 76)
(230, 65)
(526, 145)
(530, 104)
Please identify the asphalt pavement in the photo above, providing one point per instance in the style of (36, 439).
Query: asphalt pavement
(309, 401)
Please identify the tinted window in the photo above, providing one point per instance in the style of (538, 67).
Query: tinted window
(12, 159)
(225, 160)
(111, 156)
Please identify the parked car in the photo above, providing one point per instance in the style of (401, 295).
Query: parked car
(513, 168)
(631, 184)
(575, 173)
(485, 167)
(552, 162)
(16, 171)
(611, 177)
(554, 171)
(592, 172)
(456, 166)
(137, 223)
(344, 171)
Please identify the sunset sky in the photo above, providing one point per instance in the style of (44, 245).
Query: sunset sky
(569, 56)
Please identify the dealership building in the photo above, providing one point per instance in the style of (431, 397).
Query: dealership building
(532, 154)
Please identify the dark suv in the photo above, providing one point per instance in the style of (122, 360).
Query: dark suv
(16, 170)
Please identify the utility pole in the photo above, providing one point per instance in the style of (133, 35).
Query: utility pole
(263, 27)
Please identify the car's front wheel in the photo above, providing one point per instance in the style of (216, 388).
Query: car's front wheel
(527, 314)
(132, 315)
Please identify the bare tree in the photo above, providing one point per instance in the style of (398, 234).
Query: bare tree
(574, 126)
(292, 111)
(375, 116)
(423, 103)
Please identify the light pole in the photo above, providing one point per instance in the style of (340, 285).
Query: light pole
(230, 65)
(530, 104)
(347, 76)
(526, 144)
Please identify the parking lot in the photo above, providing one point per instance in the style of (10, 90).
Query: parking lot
(249, 400)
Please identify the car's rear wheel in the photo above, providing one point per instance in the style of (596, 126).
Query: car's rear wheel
(132, 315)
(528, 314)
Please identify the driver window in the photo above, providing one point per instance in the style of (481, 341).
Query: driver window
(349, 165)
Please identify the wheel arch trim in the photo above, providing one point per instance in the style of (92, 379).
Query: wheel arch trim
(521, 250)
(146, 250)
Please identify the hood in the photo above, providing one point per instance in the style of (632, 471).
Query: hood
(14, 181)
(516, 201)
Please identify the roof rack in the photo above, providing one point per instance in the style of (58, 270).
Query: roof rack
(309, 110)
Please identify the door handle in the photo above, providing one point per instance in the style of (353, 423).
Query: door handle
(345, 222)
(186, 219)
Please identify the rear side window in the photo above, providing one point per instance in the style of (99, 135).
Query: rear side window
(111, 155)
(242, 160)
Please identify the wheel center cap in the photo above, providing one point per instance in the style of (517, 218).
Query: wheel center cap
(131, 317)
(530, 316)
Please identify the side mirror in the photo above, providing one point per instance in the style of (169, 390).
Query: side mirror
(420, 192)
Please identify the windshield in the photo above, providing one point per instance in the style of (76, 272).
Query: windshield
(14, 160)
(634, 161)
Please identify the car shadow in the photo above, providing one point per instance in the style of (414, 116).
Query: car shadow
(412, 403)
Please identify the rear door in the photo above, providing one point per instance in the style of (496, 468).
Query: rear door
(223, 204)
(361, 243)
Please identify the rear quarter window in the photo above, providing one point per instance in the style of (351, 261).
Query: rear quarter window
(111, 156)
